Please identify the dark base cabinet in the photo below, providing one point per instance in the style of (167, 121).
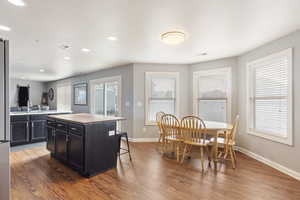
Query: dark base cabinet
(28, 129)
(87, 148)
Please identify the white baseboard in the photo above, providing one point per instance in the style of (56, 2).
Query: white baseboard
(270, 163)
(143, 139)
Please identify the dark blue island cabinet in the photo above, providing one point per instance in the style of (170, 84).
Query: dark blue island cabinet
(86, 143)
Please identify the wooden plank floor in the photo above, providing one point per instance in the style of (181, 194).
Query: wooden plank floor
(149, 177)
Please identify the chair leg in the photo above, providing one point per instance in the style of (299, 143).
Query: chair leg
(184, 152)
(202, 158)
(160, 138)
(128, 148)
(226, 151)
(232, 157)
(178, 152)
(208, 155)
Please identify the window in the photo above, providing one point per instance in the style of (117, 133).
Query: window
(270, 97)
(212, 94)
(64, 97)
(106, 96)
(162, 94)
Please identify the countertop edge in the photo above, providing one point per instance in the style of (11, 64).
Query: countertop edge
(85, 123)
(39, 113)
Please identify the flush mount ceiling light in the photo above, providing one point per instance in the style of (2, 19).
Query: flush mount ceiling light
(85, 50)
(112, 38)
(4, 28)
(42, 70)
(17, 2)
(173, 37)
(67, 58)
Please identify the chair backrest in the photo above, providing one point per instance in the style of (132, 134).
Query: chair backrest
(234, 128)
(158, 120)
(193, 129)
(171, 126)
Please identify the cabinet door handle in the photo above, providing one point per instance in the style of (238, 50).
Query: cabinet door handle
(74, 129)
(59, 125)
(67, 138)
(32, 125)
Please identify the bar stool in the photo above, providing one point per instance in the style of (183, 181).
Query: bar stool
(125, 150)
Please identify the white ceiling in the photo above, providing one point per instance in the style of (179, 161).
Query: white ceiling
(222, 28)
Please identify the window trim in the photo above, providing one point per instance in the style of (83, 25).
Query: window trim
(250, 90)
(102, 81)
(148, 76)
(222, 70)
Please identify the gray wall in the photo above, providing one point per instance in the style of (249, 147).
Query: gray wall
(140, 130)
(36, 91)
(280, 153)
(221, 63)
(126, 72)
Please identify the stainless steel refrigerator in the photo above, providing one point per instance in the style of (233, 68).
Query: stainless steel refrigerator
(4, 122)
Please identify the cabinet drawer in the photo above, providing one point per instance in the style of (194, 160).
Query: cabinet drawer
(76, 129)
(51, 123)
(19, 118)
(38, 117)
(61, 126)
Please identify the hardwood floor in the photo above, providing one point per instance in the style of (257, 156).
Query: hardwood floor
(149, 177)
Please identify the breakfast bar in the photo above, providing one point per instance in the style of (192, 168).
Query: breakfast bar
(87, 143)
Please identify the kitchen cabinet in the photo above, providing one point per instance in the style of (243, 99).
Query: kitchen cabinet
(38, 130)
(75, 151)
(30, 128)
(19, 132)
(61, 145)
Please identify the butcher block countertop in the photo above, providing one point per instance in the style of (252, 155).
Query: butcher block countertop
(85, 118)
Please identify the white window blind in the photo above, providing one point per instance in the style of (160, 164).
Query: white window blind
(212, 94)
(161, 94)
(269, 97)
(64, 97)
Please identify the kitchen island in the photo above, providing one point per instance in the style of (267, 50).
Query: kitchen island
(87, 143)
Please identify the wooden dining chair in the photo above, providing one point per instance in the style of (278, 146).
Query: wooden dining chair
(158, 122)
(172, 134)
(228, 142)
(194, 134)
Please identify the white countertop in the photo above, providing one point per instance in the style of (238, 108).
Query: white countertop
(86, 118)
(38, 112)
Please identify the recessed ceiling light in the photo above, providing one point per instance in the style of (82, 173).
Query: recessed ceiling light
(65, 47)
(112, 38)
(67, 58)
(17, 2)
(4, 28)
(42, 70)
(202, 54)
(85, 50)
(173, 37)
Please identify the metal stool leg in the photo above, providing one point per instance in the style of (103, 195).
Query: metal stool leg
(128, 149)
